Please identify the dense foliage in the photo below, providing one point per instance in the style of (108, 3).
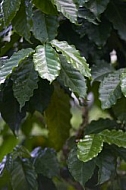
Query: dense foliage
(54, 56)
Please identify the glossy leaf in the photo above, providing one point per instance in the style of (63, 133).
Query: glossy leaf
(123, 82)
(72, 78)
(10, 9)
(58, 118)
(110, 90)
(89, 147)
(117, 137)
(67, 8)
(81, 171)
(116, 14)
(23, 175)
(73, 56)
(45, 6)
(44, 26)
(106, 163)
(45, 162)
(100, 70)
(8, 66)
(97, 7)
(25, 80)
(22, 22)
(46, 62)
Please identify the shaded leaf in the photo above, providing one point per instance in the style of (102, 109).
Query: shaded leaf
(45, 6)
(120, 151)
(67, 8)
(89, 147)
(45, 183)
(73, 56)
(116, 137)
(109, 90)
(10, 64)
(10, 9)
(71, 78)
(81, 171)
(123, 82)
(44, 26)
(58, 118)
(46, 62)
(25, 80)
(22, 22)
(116, 14)
(45, 162)
(107, 166)
(97, 7)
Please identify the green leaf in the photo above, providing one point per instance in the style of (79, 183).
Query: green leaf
(20, 151)
(23, 175)
(106, 163)
(58, 118)
(22, 22)
(123, 82)
(71, 78)
(73, 56)
(81, 171)
(97, 126)
(120, 151)
(45, 183)
(25, 80)
(116, 137)
(67, 8)
(109, 90)
(8, 66)
(44, 26)
(97, 7)
(116, 14)
(45, 6)
(46, 62)
(89, 147)
(10, 9)
(45, 162)
(100, 70)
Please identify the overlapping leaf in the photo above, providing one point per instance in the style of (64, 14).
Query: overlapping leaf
(89, 147)
(10, 9)
(123, 82)
(58, 118)
(110, 90)
(25, 82)
(72, 55)
(13, 62)
(81, 171)
(67, 8)
(72, 78)
(44, 26)
(46, 62)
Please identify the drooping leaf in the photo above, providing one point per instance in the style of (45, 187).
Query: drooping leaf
(72, 55)
(89, 147)
(25, 80)
(43, 94)
(44, 26)
(109, 90)
(46, 62)
(116, 14)
(45, 183)
(123, 82)
(106, 163)
(10, 109)
(67, 8)
(81, 171)
(45, 162)
(22, 22)
(117, 137)
(71, 78)
(100, 70)
(99, 125)
(45, 6)
(58, 118)
(97, 7)
(10, 9)
(9, 64)
(23, 175)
